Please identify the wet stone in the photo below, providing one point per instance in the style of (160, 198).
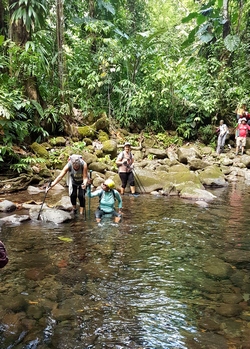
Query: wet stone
(35, 311)
(35, 274)
(208, 341)
(228, 310)
(14, 303)
(232, 328)
(209, 324)
(231, 298)
(217, 268)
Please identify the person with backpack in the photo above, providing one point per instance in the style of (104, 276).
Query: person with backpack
(241, 135)
(222, 130)
(125, 163)
(107, 197)
(77, 180)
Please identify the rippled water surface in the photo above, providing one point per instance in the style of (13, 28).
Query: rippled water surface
(173, 275)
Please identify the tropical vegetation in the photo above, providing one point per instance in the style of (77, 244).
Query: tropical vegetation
(149, 65)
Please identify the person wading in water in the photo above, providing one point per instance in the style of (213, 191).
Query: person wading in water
(78, 179)
(125, 161)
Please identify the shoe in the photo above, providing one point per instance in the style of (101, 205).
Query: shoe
(75, 211)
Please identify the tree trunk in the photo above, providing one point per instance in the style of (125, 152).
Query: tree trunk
(60, 40)
(226, 25)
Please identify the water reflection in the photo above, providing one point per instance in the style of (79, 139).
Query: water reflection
(172, 275)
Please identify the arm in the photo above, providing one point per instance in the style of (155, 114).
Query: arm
(61, 175)
(85, 175)
(119, 199)
(93, 194)
(119, 160)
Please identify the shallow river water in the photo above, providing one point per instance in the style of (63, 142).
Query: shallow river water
(172, 275)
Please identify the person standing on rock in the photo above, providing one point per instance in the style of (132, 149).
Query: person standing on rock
(125, 161)
(241, 132)
(78, 179)
(223, 131)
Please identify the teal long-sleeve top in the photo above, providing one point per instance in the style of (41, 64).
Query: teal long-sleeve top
(107, 202)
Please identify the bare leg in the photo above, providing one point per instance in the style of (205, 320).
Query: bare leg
(132, 188)
(117, 219)
(122, 191)
(81, 210)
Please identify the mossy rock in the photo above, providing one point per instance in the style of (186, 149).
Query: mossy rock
(39, 150)
(57, 141)
(103, 136)
(102, 123)
(110, 147)
(87, 131)
(99, 153)
(87, 141)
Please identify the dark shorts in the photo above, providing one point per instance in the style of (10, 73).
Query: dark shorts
(127, 177)
(100, 213)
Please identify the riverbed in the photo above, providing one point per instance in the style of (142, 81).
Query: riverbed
(174, 274)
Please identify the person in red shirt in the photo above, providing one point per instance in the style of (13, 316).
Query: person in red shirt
(242, 132)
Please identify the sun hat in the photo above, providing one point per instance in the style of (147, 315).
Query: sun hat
(109, 183)
(243, 119)
(127, 144)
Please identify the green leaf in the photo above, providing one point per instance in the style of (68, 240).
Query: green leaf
(232, 42)
(207, 37)
(65, 239)
(191, 16)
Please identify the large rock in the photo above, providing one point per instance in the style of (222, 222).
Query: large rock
(213, 177)
(245, 159)
(15, 219)
(64, 204)
(193, 193)
(39, 150)
(99, 167)
(156, 153)
(186, 154)
(88, 157)
(50, 215)
(110, 148)
(197, 164)
(7, 206)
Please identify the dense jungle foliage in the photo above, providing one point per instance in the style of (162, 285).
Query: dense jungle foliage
(152, 65)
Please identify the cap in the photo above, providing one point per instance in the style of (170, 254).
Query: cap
(243, 119)
(109, 183)
(127, 144)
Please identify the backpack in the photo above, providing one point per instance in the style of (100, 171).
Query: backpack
(130, 155)
(74, 157)
(102, 192)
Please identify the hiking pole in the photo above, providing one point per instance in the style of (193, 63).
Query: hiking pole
(90, 174)
(140, 185)
(46, 191)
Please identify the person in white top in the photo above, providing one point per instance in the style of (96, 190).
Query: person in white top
(125, 162)
(223, 131)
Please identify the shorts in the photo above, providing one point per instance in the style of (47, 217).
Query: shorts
(241, 141)
(100, 213)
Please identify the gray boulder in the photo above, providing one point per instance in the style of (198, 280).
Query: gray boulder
(50, 215)
(15, 219)
(7, 206)
(213, 177)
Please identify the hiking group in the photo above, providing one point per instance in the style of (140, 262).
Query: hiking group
(241, 131)
(79, 184)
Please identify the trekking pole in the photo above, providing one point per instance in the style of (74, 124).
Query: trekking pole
(90, 174)
(140, 185)
(46, 191)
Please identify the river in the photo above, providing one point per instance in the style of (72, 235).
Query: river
(173, 274)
